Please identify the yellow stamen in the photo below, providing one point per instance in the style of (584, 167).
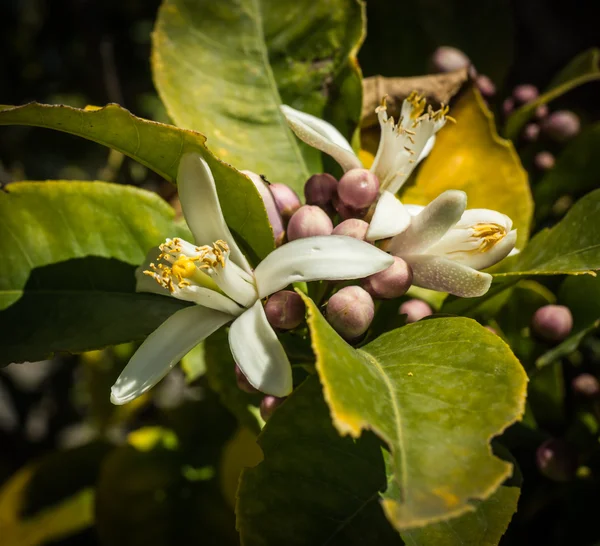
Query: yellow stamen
(418, 103)
(489, 235)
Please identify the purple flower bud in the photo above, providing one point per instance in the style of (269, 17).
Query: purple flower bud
(556, 460)
(242, 381)
(541, 111)
(390, 283)
(286, 199)
(285, 310)
(345, 211)
(531, 132)
(586, 386)
(544, 160)
(447, 59)
(485, 85)
(525, 93)
(552, 322)
(350, 311)
(358, 188)
(415, 310)
(268, 405)
(272, 210)
(320, 189)
(309, 221)
(562, 125)
(508, 106)
(353, 227)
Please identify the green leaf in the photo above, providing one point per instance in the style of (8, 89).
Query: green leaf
(470, 156)
(582, 69)
(226, 67)
(436, 391)
(576, 172)
(48, 222)
(324, 487)
(80, 305)
(482, 527)
(159, 147)
(570, 247)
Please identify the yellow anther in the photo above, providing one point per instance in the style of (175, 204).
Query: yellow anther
(418, 103)
(489, 235)
(183, 268)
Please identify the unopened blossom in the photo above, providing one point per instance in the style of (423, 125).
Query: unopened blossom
(444, 244)
(401, 147)
(273, 213)
(309, 221)
(214, 274)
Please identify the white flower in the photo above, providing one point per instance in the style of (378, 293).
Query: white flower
(401, 146)
(444, 244)
(215, 275)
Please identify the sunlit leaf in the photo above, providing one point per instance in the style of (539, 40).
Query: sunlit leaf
(324, 487)
(470, 156)
(436, 391)
(160, 148)
(582, 69)
(577, 171)
(225, 68)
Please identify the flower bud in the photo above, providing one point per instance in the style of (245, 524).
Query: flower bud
(320, 189)
(541, 111)
(415, 310)
(586, 386)
(358, 188)
(353, 227)
(345, 211)
(556, 460)
(390, 283)
(447, 59)
(544, 160)
(272, 210)
(531, 132)
(286, 199)
(562, 125)
(309, 221)
(552, 322)
(485, 85)
(242, 381)
(490, 329)
(350, 311)
(508, 106)
(268, 405)
(525, 93)
(285, 310)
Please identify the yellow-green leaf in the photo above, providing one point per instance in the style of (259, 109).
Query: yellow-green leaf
(470, 156)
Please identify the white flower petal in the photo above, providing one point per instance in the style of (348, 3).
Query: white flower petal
(389, 219)
(259, 354)
(323, 136)
(163, 348)
(443, 275)
(431, 224)
(331, 257)
(201, 206)
(272, 212)
(236, 283)
(427, 149)
(483, 260)
(484, 216)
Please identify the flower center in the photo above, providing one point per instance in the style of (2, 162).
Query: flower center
(488, 234)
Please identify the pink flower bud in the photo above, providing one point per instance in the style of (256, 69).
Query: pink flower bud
(350, 311)
(268, 405)
(485, 85)
(447, 59)
(541, 111)
(353, 227)
(544, 160)
(285, 310)
(358, 188)
(415, 310)
(390, 283)
(552, 322)
(286, 199)
(345, 211)
(586, 386)
(531, 132)
(490, 329)
(242, 381)
(320, 189)
(562, 125)
(272, 210)
(508, 106)
(309, 221)
(525, 93)
(556, 460)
